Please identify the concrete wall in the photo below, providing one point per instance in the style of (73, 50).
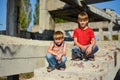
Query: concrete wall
(67, 29)
(18, 55)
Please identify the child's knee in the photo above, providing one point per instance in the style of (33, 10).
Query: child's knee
(95, 48)
(75, 49)
(64, 58)
(49, 56)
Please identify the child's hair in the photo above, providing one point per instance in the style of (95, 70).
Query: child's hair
(58, 35)
(83, 16)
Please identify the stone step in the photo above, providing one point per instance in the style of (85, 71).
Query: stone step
(80, 70)
(105, 52)
(99, 63)
(100, 69)
(89, 65)
(94, 66)
(68, 74)
(76, 70)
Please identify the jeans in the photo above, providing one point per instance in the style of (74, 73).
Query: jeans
(51, 59)
(78, 52)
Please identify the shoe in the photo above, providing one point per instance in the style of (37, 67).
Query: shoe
(50, 69)
(77, 59)
(62, 69)
(92, 59)
(57, 67)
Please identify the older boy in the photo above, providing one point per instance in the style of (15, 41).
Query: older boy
(84, 40)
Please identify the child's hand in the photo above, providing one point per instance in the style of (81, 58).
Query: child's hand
(59, 56)
(89, 50)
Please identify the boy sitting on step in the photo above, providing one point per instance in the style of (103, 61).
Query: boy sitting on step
(56, 56)
(84, 40)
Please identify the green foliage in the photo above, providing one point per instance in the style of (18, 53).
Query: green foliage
(27, 75)
(106, 38)
(22, 76)
(3, 78)
(58, 20)
(25, 14)
(36, 14)
(115, 37)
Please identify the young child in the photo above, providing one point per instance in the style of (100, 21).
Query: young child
(84, 40)
(56, 56)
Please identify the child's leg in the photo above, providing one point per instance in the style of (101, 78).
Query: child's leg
(94, 50)
(51, 60)
(76, 52)
(62, 64)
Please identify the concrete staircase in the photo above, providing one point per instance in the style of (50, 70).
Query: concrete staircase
(104, 67)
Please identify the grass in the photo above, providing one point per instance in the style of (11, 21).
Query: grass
(26, 75)
(22, 76)
(114, 37)
(3, 78)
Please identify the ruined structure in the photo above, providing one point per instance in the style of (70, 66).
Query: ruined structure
(17, 52)
(68, 10)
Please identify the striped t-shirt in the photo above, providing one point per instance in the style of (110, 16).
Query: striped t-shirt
(58, 48)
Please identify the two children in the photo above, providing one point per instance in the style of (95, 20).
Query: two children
(84, 45)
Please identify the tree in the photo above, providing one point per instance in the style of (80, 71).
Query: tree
(36, 14)
(25, 14)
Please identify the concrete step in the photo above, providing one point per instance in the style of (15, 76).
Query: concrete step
(76, 70)
(94, 66)
(79, 70)
(69, 74)
(103, 68)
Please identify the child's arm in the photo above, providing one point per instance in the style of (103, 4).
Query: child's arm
(89, 49)
(64, 50)
(93, 42)
(50, 49)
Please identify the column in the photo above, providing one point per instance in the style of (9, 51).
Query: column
(12, 23)
(45, 21)
(101, 34)
(110, 26)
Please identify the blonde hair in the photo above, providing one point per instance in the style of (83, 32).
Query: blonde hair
(83, 16)
(58, 35)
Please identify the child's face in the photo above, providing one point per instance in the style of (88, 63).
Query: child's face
(83, 23)
(58, 41)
